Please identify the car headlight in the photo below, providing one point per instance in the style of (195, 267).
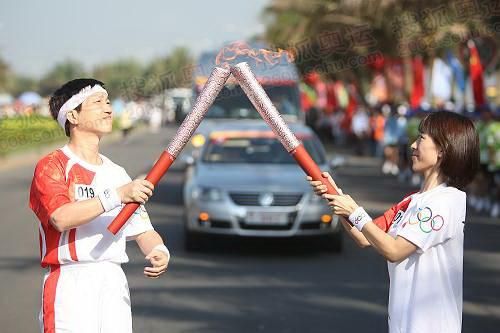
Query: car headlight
(198, 140)
(207, 194)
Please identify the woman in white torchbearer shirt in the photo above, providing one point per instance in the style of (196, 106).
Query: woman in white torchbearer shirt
(422, 236)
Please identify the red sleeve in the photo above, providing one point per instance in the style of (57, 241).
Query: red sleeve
(384, 221)
(49, 189)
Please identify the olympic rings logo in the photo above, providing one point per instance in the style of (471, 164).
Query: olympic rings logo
(426, 221)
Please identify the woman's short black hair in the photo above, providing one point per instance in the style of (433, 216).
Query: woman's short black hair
(65, 92)
(458, 140)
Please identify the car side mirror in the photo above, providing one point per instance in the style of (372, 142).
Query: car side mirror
(337, 162)
(187, 159)
(190, 161)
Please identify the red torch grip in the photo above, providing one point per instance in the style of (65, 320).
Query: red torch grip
(159, 169)
(310, 167)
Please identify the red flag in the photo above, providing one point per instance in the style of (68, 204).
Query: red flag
(476, 74)
(350, 109)
(418, 82)
(331, 97)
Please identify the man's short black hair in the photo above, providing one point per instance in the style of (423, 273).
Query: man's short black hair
(65, 92)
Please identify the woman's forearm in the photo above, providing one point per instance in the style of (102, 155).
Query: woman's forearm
(392, 249)
(381, 241)
(366, 231)
(354, 233)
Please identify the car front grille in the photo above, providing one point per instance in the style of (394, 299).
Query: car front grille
(288, 226)
(252, 199)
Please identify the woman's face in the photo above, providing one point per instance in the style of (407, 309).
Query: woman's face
(425, 154)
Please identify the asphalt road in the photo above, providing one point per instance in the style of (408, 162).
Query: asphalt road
(242, 286)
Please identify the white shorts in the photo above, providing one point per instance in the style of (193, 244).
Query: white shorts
(85, 297)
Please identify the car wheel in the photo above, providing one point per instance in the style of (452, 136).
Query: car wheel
(193, 241)
(333, 243)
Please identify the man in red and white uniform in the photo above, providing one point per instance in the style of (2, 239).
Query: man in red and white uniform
(76, 193)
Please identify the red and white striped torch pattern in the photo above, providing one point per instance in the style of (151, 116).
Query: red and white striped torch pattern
(268, 112)
(212, 88)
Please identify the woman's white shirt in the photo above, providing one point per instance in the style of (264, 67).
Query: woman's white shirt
(426, 288)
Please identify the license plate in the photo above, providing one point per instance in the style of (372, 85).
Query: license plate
(266, 218)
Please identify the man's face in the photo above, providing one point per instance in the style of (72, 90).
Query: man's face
(96, 115)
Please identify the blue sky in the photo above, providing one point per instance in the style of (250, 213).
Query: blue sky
(36, 34)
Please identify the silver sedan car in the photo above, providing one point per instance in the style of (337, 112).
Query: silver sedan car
(245, 184)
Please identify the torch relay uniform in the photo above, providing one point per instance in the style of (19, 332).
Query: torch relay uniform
(426, 288)
(84, 289)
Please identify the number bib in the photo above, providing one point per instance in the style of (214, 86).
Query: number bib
(84, 192)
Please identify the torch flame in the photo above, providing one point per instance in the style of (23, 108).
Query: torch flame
(236, 49)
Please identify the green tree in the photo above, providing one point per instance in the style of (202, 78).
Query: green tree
(21, 84)
(168, 72)
(61, 73)
(123, 78)
(5, 76)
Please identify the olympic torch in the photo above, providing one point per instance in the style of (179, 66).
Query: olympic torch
(268, 112)
(212, 88)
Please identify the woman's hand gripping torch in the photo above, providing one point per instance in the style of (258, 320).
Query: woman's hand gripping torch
(268, 112)
(212, 88)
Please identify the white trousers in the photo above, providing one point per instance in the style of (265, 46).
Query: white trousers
(85, 298)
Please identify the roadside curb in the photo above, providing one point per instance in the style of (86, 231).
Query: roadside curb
(31, 156)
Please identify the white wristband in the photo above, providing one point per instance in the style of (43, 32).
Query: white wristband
(359, 218)
(163, 248)
(109, 199)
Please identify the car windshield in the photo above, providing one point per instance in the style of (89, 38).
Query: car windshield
(234, 104)
(256, 151)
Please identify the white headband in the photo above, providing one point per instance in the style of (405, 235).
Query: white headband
(76, 100)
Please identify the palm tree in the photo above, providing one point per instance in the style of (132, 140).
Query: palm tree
(356, 28)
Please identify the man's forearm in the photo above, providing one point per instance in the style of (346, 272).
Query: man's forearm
(74, 214)
(148, 240)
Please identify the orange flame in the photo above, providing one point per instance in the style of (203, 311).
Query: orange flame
(236, 49)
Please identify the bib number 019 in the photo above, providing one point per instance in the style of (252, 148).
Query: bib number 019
(84, 192)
